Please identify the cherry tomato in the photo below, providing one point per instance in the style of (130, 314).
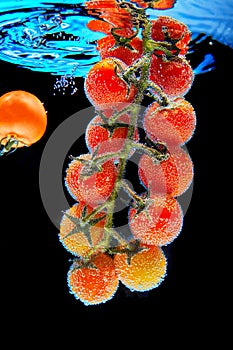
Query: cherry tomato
(104, 85)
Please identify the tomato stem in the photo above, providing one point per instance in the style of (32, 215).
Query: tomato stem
(93, 212)
(138, 75)
(105, 157)
(164, 98)
(132, 194)
(104, 244)
(134, 109)
(8, 145)
(156, 154)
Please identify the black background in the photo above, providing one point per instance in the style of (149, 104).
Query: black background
(34, 264)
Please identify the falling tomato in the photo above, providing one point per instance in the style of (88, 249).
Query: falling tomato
(23, 120)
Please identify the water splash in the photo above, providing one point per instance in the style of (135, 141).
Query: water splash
(47, 37)
(51, 36)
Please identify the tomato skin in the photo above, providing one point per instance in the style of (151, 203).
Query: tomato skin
(100, 139)
(94, 284)
(176, 30)
(157, 4)
(159, 223)
(77, 243)
(104, 88)
(94, 189)
(146, 271)
(22, 116)
(172, 176)
(99, 26)
(110, 12)
(174, 76)
(173, 124)
(140, 3)
(163, 4)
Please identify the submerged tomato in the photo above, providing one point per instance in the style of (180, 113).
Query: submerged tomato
(104, 85)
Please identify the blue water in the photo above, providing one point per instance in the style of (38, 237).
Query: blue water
(47, 36)
(212, 17)
(52, 36)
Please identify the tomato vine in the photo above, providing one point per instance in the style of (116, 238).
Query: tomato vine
(160, 71)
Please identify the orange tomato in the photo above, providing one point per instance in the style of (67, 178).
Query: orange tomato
(146, 270)
(74, 237)
(95, 283)
(23, 118)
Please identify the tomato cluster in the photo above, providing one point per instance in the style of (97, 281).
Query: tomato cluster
(132, 66)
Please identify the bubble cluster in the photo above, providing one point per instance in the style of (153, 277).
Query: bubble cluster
(66, 84)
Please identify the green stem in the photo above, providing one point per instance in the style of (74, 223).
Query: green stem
(94, 212)
(101, 159)
(117, 236)
(104, 244)
(142, 83)
(8, 148)
(132, 194)
(164, 98)
(159, 156)
(134, 108)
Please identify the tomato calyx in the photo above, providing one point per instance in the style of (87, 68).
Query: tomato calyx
(168, 47)
(162, 48)
(131, 249)
(158, 146)
(9, 144)
(127, 76)
(90, 166)
(79, 263)
(139, 202)
(82, 225)
(142, 205)
(121, 41)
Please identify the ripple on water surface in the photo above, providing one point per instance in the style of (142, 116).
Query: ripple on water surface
(52, 36)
